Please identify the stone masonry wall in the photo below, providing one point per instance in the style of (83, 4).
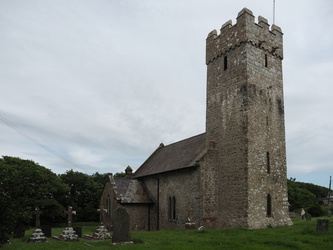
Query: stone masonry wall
(245, 117)
(139, 213)
(184, 186)
(108, 195)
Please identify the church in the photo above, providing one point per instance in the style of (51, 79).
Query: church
(234, 174)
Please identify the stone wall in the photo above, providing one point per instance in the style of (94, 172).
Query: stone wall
(184, 186)
(139, 216)
(109, 201)
(139, 213)
(245, 117)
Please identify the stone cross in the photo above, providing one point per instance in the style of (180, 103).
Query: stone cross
(37, 213)
(102, 212)
(70, 212)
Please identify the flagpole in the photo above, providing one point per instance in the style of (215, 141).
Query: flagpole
(329, 192)
(273, 11)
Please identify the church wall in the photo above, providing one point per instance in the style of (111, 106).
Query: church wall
(139, 213)
(139, 216)
(109, 201)
(183, 186)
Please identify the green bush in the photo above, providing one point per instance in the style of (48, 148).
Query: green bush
(316, 210)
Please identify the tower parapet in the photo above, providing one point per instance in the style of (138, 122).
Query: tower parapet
(245, 31)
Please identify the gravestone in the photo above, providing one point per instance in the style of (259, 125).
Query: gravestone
(69, 213)
(190, 224)
(47, 230)
(308, 216)
(69, 233)
(121, 226)
(329, 213)
(102, 211)
(322, 225)
(101, 232)
(78, 231)
(37, 235)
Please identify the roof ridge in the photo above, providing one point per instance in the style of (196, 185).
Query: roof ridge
(184, 139)
(177, 155)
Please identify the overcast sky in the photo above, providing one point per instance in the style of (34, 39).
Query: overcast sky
(96, 85)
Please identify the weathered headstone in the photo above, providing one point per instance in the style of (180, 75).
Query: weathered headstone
(308, 216)
(69, 213)
(329, 213)
(37, 235)
(47, 230)
(78, 231)
(102, 212)
(121, 226)
(101, 232)
(37, 213)
(322, 225)
(69, 233)
(190, 224)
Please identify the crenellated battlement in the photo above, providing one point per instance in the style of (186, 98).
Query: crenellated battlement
(245, 31)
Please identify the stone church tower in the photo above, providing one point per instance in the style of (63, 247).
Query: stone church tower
(234, 175)
(245, 123)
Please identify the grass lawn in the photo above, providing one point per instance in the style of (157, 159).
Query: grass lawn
(302, 235)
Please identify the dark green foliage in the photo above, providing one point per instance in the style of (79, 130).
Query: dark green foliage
(299, 197)
(119, 175)
(315, 210)
(84, 194)
(100, 178)
(24, 185)
(318, 191)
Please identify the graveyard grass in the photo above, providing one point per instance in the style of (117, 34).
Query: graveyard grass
(302, 235)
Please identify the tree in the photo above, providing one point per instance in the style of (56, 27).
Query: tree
(119, 175)
(24, 185)
(318, 191)
(83, 195)
(299, 197)
(101, 179)
(316, 210)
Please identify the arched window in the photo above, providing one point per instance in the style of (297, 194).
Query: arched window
(269, 206)
(172, 208)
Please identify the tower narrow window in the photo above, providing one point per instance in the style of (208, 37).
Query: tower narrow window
(269, 206)
(170, 209)
(173, 208)
(108, 206)
(266, 61)
(225, 63)
(268, 163)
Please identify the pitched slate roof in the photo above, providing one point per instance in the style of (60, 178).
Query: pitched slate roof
(179, 155)
(129, 191)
